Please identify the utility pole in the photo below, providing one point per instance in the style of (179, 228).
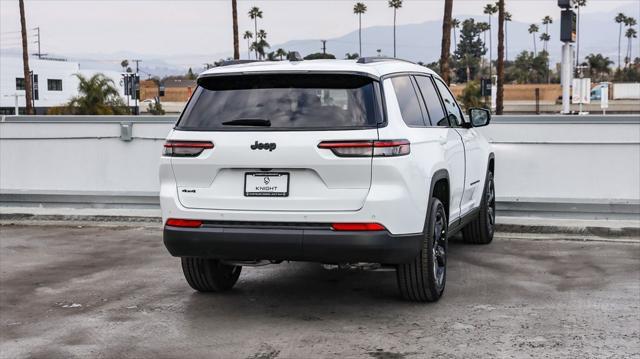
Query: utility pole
(568, 33)
(136, 84)
(501, 56)
(324, 47)
(28, 88)
(38, 42)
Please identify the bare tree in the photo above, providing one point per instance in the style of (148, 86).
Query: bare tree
(446, 41)
(25, 62)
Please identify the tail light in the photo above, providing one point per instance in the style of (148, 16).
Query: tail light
(184, 223)
(381, 148)
(357, 227)
(185, 148)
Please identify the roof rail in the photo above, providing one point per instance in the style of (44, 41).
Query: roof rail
(372, 59)
(235, 62)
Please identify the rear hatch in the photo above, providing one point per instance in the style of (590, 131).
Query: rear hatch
(265, 132)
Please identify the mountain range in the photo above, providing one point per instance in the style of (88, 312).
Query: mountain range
(416, 42)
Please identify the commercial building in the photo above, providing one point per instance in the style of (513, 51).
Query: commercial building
(54, 83)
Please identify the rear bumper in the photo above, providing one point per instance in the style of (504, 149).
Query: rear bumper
(294, 244)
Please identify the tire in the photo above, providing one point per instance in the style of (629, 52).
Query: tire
(209, 275)
(480, 230)
(423, 279)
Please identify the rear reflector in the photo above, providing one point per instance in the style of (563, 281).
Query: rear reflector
(357, 227)
(185, 148)
(185, 223)
(382, 148)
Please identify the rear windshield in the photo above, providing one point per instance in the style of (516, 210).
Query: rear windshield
(283, 102)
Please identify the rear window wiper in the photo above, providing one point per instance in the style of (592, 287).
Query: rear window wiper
(248, 122)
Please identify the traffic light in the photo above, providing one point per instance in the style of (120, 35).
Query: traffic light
(568, 26)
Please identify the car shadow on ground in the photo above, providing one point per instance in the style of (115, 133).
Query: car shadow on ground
(307, 292)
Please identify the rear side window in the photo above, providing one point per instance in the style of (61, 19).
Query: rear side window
(283, 102)
(432, 101)
(408, 101)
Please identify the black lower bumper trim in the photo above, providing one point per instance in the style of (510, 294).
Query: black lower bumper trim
(312, 245)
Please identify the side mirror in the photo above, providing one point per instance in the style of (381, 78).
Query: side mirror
(479, 117)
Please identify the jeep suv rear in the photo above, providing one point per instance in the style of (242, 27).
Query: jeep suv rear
(321, 161)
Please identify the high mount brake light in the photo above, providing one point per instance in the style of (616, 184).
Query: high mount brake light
(184, 223)
(357, 227)
(381, 148)
(185, 148)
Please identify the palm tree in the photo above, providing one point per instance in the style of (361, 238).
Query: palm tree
(620, 19)
(395, 4)
(455, 24)
(483, 27)
(261, 44)
(544, 38)
(546, 22)
(507, 18)
(500, 63)
(578, 4)
(490, 9)
(359, 9)
(281, 53)
(236, 41)
(248, 35)
(599, 65)
(630, 34)
(124, 64)
(28, 92)
(533, 29)
(254, 14)
(97, 95)
(445, 50)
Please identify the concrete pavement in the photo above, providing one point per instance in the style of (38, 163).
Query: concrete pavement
(114, 292)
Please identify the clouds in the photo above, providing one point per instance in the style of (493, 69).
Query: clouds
(177, 27)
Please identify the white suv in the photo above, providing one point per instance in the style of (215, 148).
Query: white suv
(354, 163)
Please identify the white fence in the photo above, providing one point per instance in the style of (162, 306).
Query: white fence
(545, 165)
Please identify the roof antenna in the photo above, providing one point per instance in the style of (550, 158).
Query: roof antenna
(294, 56)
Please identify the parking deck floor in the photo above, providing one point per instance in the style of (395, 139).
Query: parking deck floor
(114, 292)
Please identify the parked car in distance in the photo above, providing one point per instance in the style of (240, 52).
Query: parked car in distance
(368, 163)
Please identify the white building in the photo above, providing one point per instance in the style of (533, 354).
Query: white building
(56, 83)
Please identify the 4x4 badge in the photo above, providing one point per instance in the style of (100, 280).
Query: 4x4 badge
(263, 146)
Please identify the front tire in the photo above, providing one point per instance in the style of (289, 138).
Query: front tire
(209, 275)
(480, 230)
(423, 279)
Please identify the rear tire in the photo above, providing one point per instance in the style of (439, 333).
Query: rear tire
(423, 279)
(480, 230)
(209, 275)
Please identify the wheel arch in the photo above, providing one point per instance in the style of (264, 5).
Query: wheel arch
(492, 162)
(440, 189)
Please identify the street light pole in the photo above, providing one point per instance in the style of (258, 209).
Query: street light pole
(568, 33)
